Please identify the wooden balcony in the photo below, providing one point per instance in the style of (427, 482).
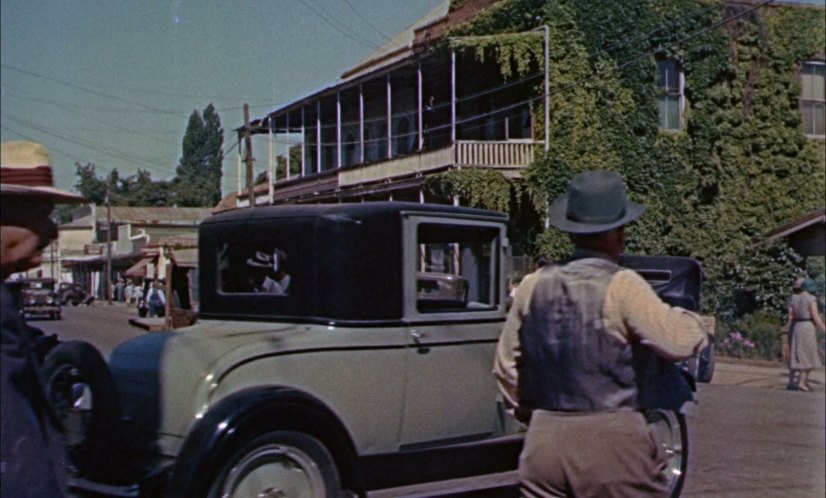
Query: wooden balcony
(507, 156)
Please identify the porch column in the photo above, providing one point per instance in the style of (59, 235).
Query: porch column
(338, 130)
(271, 171)
(361, 125)
(389, 120)
(453, 95)
(289, 131)
(421, 135)
(303, 145)
(318, 136)
(547, 93)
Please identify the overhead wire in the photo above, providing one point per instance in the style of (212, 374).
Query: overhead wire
(338, 26)
(366, 21)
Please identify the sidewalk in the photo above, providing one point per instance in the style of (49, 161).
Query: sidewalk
(762, 374)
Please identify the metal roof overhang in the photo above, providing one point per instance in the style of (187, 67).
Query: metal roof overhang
(139, 268)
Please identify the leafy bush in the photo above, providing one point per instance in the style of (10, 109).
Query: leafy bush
(756, 336)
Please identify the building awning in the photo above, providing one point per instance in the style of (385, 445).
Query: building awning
(139, 268)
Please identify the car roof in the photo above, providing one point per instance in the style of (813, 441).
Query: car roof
(354, 210)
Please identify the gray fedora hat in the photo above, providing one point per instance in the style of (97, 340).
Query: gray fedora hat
(595, 203)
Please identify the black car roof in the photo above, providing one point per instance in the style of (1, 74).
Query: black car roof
(355, 210)
(345, 260)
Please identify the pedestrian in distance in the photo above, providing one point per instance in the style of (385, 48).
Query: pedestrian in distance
(803, 321)
(128, 292)
(156, 300)
(119, 290)
(33, 450)
(566, 358)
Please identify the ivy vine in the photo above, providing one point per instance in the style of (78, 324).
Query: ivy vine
(740, 165)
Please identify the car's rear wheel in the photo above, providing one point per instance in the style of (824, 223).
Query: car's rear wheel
(670, 430)
(278, 464)
(82, 391)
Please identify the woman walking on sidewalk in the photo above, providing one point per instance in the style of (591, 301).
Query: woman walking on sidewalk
(803, 317)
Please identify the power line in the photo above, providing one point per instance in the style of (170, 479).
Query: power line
(338, 26)
(89, 90)
(367, 22)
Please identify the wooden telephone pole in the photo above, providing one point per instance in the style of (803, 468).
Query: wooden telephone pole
(248, 156)
(108, 245)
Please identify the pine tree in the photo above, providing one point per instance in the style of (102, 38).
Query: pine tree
(198, 176)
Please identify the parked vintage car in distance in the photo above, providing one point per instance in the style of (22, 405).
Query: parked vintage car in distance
(339, 349)
(72, 293)
(39, 298)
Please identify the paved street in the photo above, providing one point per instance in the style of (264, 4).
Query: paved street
(751, 437)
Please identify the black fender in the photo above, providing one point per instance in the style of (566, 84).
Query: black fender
(246, 414)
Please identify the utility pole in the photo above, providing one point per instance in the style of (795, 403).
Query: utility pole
(248, 155)
(108, 245)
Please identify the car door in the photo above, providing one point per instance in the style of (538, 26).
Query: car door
(454, 307)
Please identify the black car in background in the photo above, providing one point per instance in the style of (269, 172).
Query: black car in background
(70, 292)
(38, 297)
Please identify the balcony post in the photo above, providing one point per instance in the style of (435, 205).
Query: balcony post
(303, 144)
(289, 131)
(547, 93)
(419, 85)
(338, 130)
(361, 124)
(318, 136)
(389, 119)
(453, 96)
(271, 166)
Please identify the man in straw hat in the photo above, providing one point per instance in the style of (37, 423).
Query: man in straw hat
(568, 355)
(33, 454)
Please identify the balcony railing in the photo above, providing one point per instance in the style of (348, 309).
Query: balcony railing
(505, 155)
(496, 155)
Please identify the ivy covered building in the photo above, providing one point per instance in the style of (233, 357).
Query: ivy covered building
(714, 112)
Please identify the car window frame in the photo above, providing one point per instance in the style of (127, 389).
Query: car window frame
(410, 228)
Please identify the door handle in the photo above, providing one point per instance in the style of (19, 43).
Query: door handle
(417, 338)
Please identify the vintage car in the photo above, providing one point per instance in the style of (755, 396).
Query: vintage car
(39, 298)
(73, 293)
(338, 349)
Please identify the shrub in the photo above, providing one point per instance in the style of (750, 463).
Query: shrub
(757, 336)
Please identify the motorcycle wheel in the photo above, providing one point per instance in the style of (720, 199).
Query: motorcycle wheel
(670, 431)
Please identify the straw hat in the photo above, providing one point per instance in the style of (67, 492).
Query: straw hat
(595, 203)
(26, 171)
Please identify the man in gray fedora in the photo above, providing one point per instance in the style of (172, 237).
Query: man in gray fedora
(33, 456)
(567, 354)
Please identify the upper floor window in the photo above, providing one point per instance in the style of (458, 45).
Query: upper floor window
(670, 95)
(813, 98)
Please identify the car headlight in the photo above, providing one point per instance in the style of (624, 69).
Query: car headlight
(50, 300)
(31, 302)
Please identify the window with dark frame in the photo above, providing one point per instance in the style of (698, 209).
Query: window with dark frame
(670, 95)
(813, 98)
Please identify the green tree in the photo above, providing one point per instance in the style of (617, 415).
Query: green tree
(133, 190)
(198, 175)
(89, 185)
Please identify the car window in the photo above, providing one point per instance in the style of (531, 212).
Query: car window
(456, 267)
(254, 269)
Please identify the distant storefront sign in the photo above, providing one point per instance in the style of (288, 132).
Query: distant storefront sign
(93, 250)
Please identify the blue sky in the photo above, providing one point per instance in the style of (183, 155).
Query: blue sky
(114, 82)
